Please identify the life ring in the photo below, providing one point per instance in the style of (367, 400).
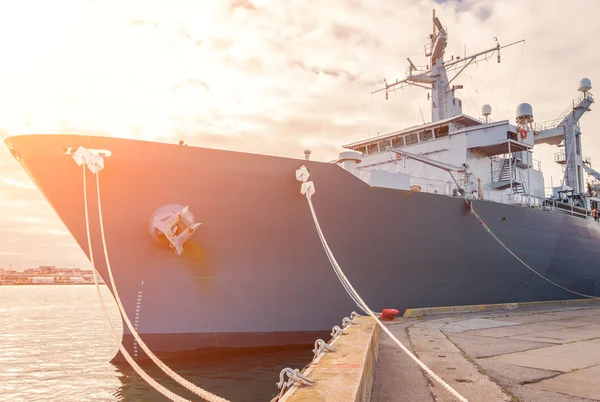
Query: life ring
(523, 132)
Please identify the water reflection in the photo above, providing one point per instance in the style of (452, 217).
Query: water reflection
(56, 346)
(248, 375)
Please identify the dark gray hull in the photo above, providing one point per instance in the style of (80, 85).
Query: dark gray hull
(255, 273)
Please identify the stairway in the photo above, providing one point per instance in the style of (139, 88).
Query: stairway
(505, 173)
(504, 179)
(518, 188)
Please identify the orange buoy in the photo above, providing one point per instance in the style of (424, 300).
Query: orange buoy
(389, 313)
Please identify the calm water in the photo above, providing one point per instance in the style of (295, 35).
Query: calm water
(55, 345)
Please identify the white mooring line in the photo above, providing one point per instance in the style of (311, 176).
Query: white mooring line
(95, 163)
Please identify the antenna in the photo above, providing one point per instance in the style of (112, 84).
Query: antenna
(386, 89)
(434, 77)
(412, 67)
(498, 47)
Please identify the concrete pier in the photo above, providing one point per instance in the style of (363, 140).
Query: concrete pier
(519, 352)
(345, 374)
(545, 352)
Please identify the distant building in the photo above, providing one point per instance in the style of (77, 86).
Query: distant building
(42, 279)
(48, 274)
(47, 268)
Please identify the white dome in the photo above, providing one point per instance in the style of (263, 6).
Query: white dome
(585, 84)
(486, 110)
(524, 112)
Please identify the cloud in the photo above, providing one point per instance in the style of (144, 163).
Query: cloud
(29, 228)
(10, 254)
(190, 82)
(245, 4)
(142, 22)
(264, 77)
(332, 72)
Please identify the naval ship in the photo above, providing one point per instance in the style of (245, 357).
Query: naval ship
(218, 249)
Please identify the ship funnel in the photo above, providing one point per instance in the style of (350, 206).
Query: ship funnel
(585, 85)
(524, 113)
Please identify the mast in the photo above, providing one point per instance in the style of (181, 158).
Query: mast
(566, 129)
(434, 76)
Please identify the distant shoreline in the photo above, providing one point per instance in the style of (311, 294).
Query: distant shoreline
(50, 284)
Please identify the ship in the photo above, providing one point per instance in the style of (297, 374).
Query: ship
(214, 249)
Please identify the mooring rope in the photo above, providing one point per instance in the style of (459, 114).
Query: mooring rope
(172, 396)
(487, 228)
(355, 296)
(180, 380)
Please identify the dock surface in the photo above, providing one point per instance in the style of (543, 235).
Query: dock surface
(527, 355)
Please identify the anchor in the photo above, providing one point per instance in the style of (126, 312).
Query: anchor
(176, 223)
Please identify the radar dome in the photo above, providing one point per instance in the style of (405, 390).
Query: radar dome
(486, 110)
(524, 113)
(585, 85)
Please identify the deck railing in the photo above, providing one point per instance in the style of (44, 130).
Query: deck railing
(502, 197)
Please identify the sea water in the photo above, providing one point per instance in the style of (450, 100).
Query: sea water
(55, 345)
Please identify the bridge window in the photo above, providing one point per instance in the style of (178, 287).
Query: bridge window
(372, 149)
(398, 142)
(384, 145)
(426, 135)
(362, 150)
(441, 131)
(412, 139)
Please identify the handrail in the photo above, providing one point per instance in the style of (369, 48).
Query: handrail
(507, 198)
(446, 186)
(557, 205)
(560, 120)
(523, 181)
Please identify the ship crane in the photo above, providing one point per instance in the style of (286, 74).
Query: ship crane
(434, 76)
(564, 131)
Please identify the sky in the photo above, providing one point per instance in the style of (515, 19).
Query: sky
(258, 76)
